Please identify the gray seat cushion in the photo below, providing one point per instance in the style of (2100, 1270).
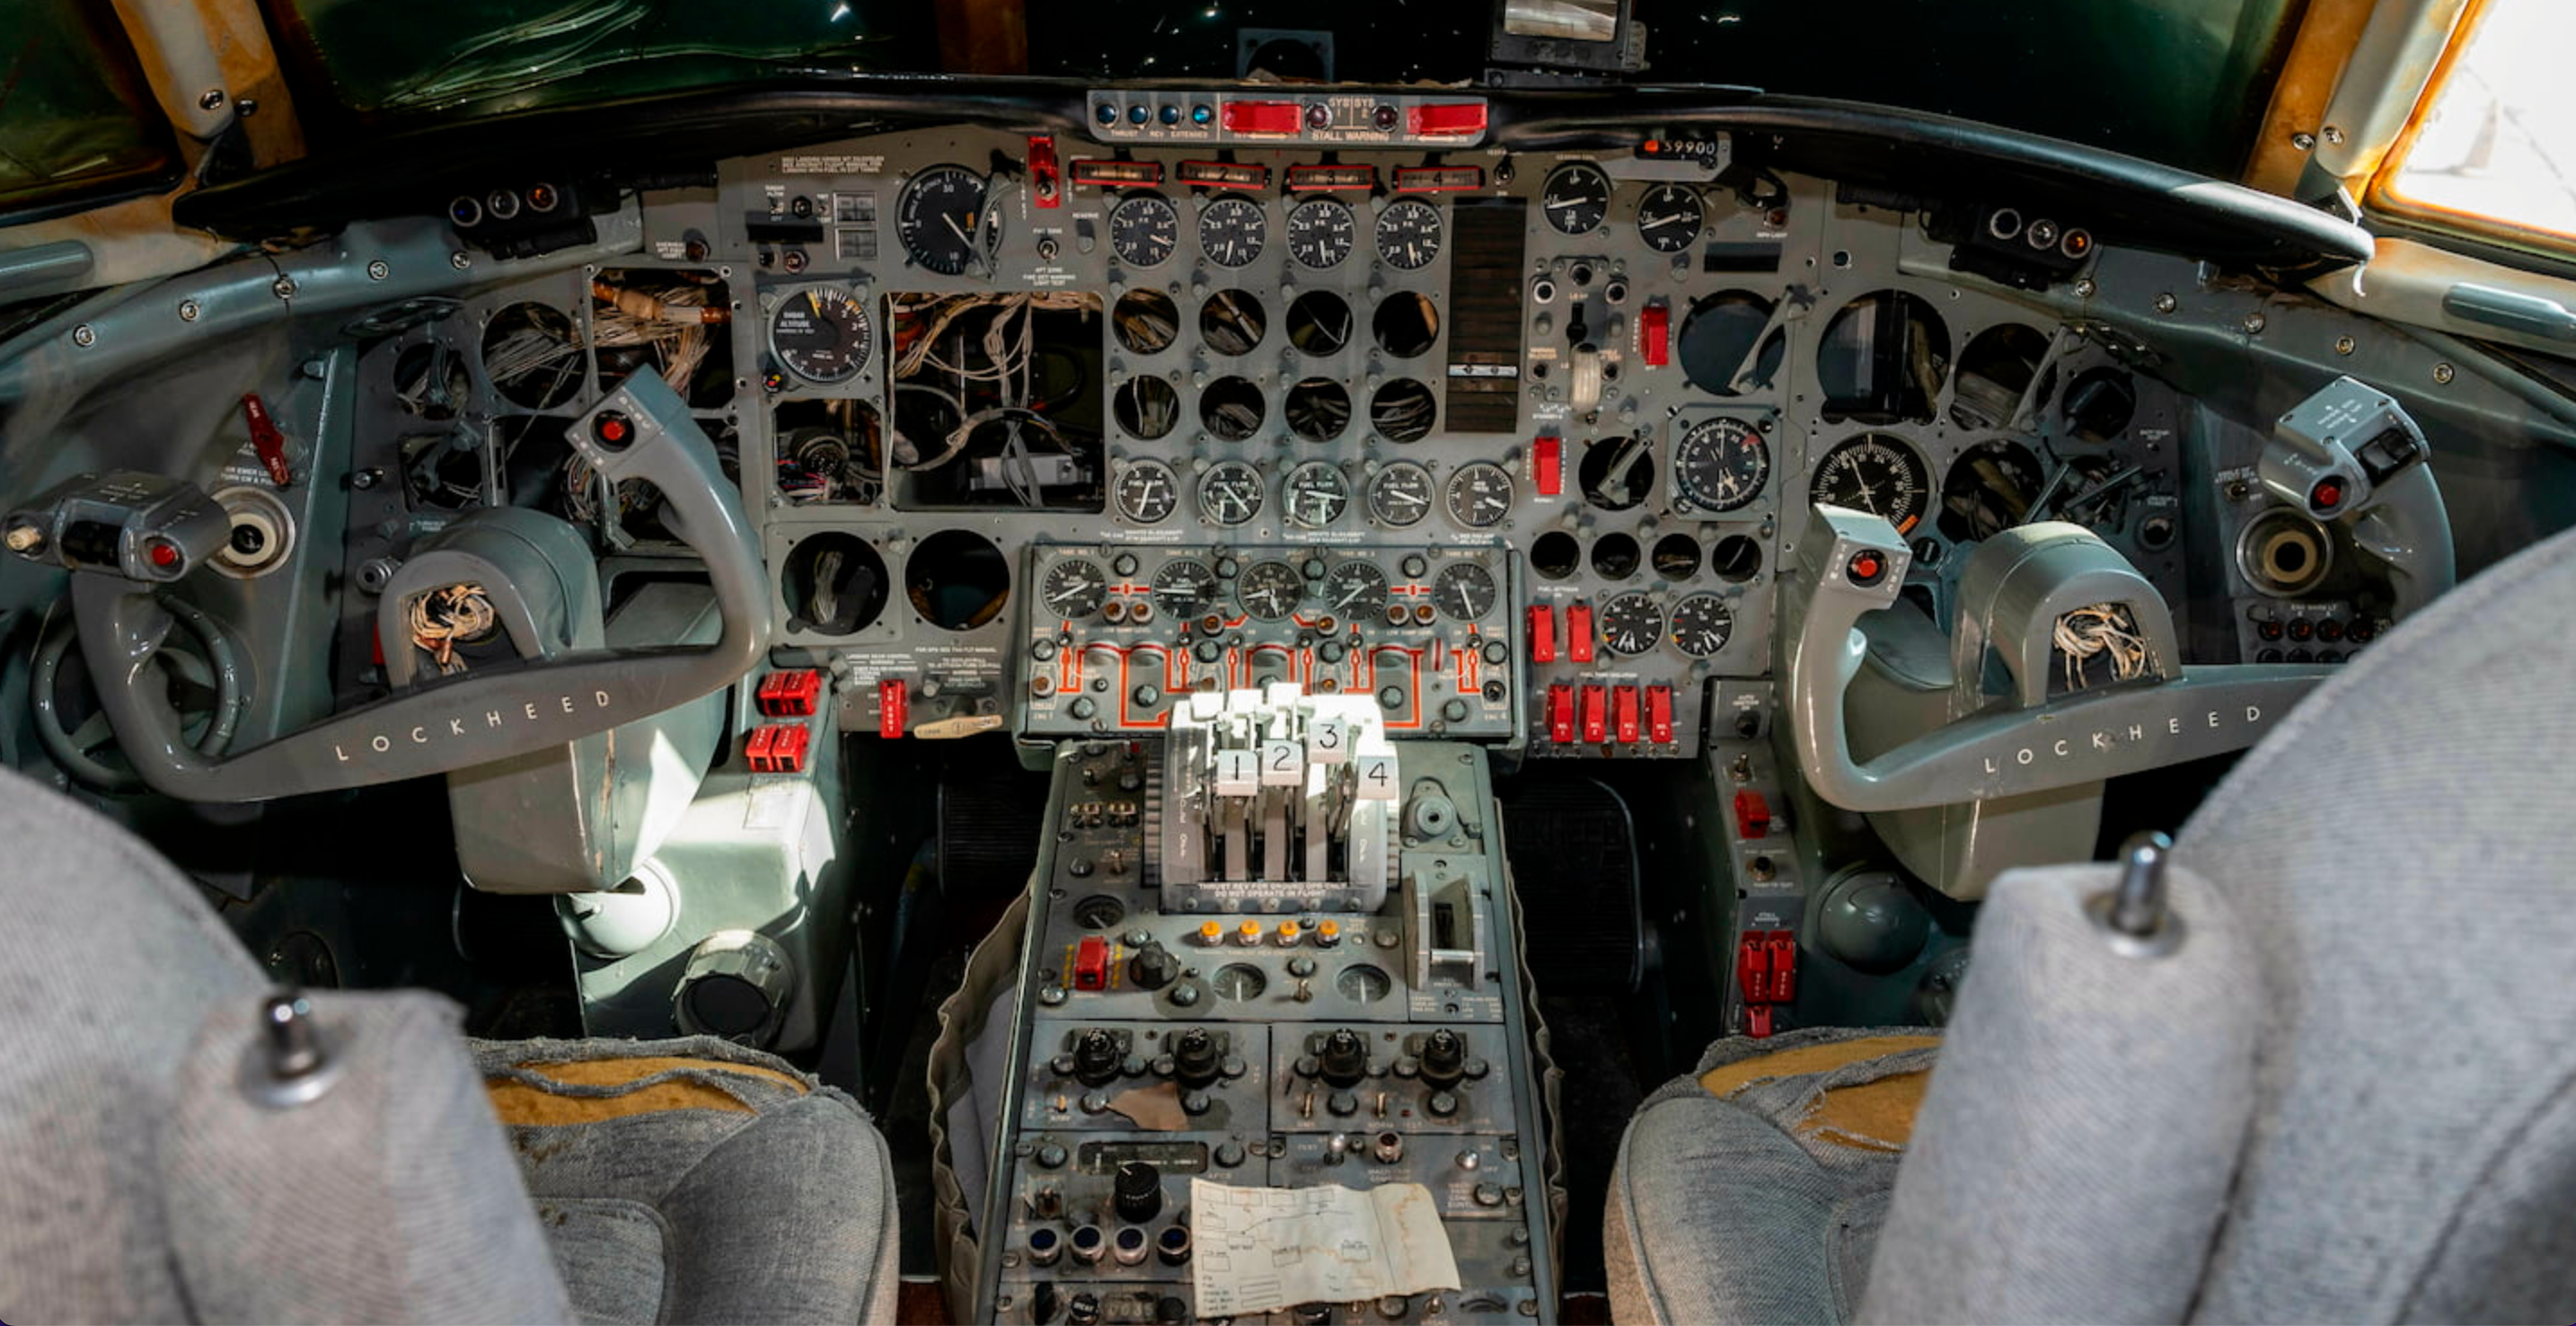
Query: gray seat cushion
(1753, 1190)
(695, 1180)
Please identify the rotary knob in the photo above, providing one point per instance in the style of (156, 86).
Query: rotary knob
(1444, 1058)
(1197, 1059)
(1343, 1061)
(1153, 967)
(1139, 1189)
(1096, 1057)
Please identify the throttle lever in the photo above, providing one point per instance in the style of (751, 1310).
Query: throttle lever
(642, 431)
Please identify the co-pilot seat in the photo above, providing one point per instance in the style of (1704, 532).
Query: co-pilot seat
(2325, 1080)
(178, 1145)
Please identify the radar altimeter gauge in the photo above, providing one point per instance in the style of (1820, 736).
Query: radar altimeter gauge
(821, 333)
(1480, 494)
(1630, 624)
(1316, 494)
(946, 221)
(1321, 233)
(1232, 231)
(1576, 198)
(1144, 229)
(1230, 492)
(1669, 217)
(1408, 234)
(1701, 624)
(1877, 474)
(1400, 494)
(1464, 591)
(1269, 590)
(1147, 492)
(1074, 588)
(1721, 464)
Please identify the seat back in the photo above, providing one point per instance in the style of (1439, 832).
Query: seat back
(2377, 964)
(145, 1176)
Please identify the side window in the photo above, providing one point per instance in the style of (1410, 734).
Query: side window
(2492, 145)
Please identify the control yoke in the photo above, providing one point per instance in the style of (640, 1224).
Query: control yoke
(125, 535)
(2350, 453)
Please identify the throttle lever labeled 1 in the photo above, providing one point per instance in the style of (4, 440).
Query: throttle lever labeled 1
(640, 431)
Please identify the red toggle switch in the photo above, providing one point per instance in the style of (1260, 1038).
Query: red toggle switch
(1443, 119)
(1753, 968)
(778, 748)
(1655, 333)
(1752, 814)
(1623, 712)
(1542, 633)
(1547, 465)
(267, 440)
(790, 694)
(894, 703)
(1659, 714)
(1784, 966)
(1560, 714)
(1757, 1021)
(1091, 964)
(1596, 713)
(1043, 181)
(1262, 117)
(1578, 632)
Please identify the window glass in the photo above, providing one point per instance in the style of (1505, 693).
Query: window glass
(2497, 140)
(77, 120)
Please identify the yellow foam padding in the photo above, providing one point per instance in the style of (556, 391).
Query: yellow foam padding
(1727, 1079)
(520, 1103)
(1872, 1116)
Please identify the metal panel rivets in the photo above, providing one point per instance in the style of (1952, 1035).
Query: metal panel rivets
(84, 336)
(379, 270)
(188, 310)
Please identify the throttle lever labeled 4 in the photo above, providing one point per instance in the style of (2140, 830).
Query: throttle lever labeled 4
(125, 535)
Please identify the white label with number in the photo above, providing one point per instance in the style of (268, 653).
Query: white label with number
(1328, 741)
(1282, 764)
(1236, 774)
(1376, 775)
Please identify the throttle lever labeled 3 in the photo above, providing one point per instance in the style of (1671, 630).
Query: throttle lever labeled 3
(640, 431)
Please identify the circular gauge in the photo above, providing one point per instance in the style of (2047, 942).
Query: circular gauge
(1355, 590)
(1074, 588)
(1321, 232)
(1315, 494)
(1364, 984)
(1238, 981)
(1576, 197)
(1630, 624)
(821, 333)
(1147, 492)
(1230, 493)
(1669, 217)
(1721, 464)
(1701, 624)
(1400, 494)
(1269, 590)
(1480, 495)
(1184, 588)
(1464, 591)
(1408, 234)
(1877, 474)
(1231, 231)
(1144, 229)
(943, 221)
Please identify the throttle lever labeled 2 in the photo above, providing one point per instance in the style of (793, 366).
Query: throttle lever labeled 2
(641, 431)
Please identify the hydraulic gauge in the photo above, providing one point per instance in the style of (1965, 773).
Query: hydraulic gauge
(1230, 492)
(1480, 495)
(1269, 590)
(1669, 217)
(1721, 464)
(1701, 624)
(944, 222)
(1876, 474)
(1316, 494)
(1144, 229)
(1184, 588)
(821, 333)
(1400, 494)
(1232, 231)
(1074, 588)
(1630, 624)
(1576, 198)
(1464, 591)
(1355, 591)
(1408, 234)
(1147, 492)
(1321, 233)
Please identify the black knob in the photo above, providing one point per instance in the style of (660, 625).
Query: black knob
(1083, 1310)
(1444, 1058)
(1096, 1057)
(1344, 1059)
(1153, 967)
(1140, 1191)
(1197, 1059)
